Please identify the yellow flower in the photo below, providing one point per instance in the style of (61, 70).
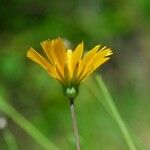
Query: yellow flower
(69, 67)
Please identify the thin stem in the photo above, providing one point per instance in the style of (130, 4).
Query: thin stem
(74, 123)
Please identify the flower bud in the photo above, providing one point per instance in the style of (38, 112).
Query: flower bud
(71, 92)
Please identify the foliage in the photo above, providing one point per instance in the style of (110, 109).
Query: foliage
(123, 25)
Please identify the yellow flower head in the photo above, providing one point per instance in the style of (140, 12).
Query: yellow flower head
(69, 67)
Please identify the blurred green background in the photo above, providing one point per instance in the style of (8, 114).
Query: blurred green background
(122, 25)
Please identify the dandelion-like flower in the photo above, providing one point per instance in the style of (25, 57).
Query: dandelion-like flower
(69, 67)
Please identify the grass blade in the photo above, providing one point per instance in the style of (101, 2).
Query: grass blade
(6, 108)
(115, 113)
(9, 139)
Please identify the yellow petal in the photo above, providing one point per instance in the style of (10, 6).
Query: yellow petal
(69, 63)
(77, 54)
(60, 75)
(102, 57)
(81, 68)
(46, 45)
(33, 55)
(36, 57)
(87, 61)
(91, 53)
(58, 48)
(56, 53)
(75, 74)
(95, 61)
(86, 73)
(67, 78)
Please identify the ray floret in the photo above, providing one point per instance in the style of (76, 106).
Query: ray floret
(69, 67)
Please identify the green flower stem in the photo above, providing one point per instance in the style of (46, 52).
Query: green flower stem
(115, 113)
(74, 123)
(6, 108)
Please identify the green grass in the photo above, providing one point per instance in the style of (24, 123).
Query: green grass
(98, 88)
(6, 108)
